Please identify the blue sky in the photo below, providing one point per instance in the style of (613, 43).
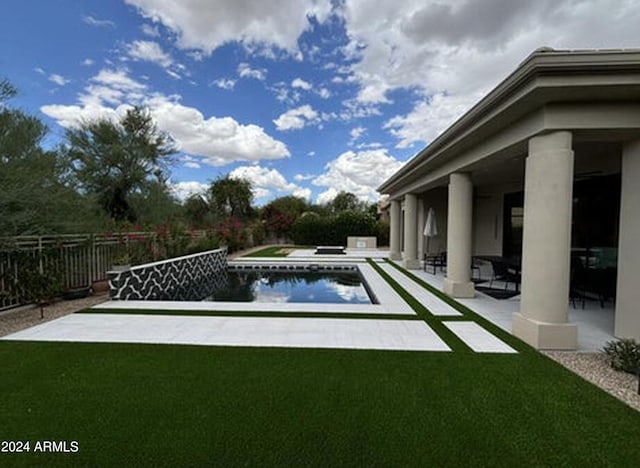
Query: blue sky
(303, 97)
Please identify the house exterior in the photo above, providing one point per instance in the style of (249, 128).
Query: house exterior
(545, 168)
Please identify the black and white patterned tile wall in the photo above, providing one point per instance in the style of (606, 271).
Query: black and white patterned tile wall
(178, 279)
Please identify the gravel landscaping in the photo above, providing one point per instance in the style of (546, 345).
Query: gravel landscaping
(593, 367)
(17, 319)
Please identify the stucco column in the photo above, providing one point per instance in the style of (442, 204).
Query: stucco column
(395, 228)
(420, 228)
(546, 245)
(459, 224)
(627, 315)
(410, 257)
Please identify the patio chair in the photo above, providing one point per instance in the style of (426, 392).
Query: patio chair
(577, 283)
(501, 272)
(435, 262)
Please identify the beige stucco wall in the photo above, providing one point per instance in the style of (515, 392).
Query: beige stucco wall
(354, 242)
(628, 293)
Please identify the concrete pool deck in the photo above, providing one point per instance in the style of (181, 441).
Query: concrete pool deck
(412, 334)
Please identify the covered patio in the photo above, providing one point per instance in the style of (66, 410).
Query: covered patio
(595, 323)
(541, 170)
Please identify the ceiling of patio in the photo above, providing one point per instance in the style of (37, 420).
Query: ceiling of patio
(593, 158)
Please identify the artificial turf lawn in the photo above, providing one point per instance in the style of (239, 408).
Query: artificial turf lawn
(252, 313)
(158, 405)
(146, 405)
(275, 251)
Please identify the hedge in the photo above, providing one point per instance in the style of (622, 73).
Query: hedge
(312, 229)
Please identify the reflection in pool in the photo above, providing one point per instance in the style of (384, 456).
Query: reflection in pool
(300, 287)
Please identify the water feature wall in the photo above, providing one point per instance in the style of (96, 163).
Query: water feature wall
(180, 277)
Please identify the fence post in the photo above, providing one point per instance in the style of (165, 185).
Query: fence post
(40, 262)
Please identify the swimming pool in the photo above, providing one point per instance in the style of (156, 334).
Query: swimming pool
(330, 287)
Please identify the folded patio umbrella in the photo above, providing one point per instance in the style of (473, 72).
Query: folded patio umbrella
(430, 227)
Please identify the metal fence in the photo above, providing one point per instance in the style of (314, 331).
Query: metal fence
(77, 260)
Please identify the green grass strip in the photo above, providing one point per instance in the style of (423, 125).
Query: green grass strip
(468, 314)
(450, 338)
(274, 251)
(252, 313)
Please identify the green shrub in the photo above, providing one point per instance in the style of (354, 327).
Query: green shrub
(202, 244)
(312, 229)
(309, 229)
(623, 354)
(383, 230)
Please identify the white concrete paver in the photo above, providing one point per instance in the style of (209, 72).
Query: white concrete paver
(388, 298)
(478, 339)
(409, 335)
(435, 305)
(349, 255)
(595, 324)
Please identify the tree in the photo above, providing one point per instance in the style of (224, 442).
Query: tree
(345, 201)
(280, 214)
(34, 195)
(196, 211)
(155, 204)
(114, 160)
(230, 198)
(7, 90)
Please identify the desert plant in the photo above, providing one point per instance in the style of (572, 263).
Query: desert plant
(623, 354)
(38, 278)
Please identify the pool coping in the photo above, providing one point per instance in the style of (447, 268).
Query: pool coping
(389, 301)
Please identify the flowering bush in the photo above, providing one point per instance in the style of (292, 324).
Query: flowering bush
(232, 233)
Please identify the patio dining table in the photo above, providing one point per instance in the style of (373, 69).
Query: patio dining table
(512, 264)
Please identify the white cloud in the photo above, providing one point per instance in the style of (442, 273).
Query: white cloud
(58, 79)
(264, 181)
(360, 173)
(149, 51)
(87, 62)
(300, 83)
(298, 118)
(303, 177)
(219, 140)
(39, 71)
(206, 25)
(356, 133)
(117, 79)
(174, 75)
(245, 71)
(73, 115)
(184, 190)
(324, 93)
(456, 51)
(100, 23)
(151, 31)
(326, 196)
(302, 192)
(439, 110)
(224, 83)
(285, 94)
(190, 162)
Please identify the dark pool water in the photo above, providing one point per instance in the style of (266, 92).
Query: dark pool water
(299, 287)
